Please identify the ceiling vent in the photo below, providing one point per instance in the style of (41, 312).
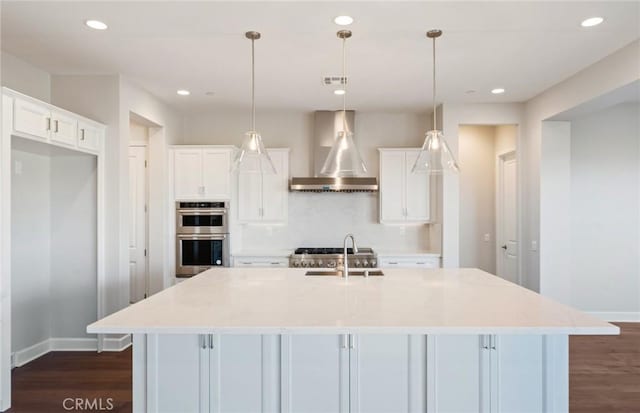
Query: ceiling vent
(334, 80)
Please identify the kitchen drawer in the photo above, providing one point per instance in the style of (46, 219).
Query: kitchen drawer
(261, 262)
(409, 262)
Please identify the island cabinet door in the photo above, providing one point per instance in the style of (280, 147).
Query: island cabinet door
(456, 366)
(517, 374)
(388, 373)
(315, 374)
(245, 373)
(177, 373)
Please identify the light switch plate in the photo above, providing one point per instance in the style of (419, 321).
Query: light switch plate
(534, 245)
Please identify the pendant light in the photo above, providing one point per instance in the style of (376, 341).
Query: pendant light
(344, 159)
(435, 155)
(252, 156)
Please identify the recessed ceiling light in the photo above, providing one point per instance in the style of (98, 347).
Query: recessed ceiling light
(343, 20)
(96, 24)
(592, 21)
(209, 93)
(183, 92)
(497, 91)
(470, 91)
(339, 92)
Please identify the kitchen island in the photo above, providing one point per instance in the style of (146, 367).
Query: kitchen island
(445, 340)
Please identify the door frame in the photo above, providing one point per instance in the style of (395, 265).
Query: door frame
(501, 159)
(147, 282)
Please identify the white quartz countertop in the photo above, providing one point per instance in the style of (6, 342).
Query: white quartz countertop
(403, 301)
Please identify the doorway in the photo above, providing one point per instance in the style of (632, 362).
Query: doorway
(507, 217)
(138, 210)
(488, 199)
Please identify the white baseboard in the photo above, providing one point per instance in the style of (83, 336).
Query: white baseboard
(117, 344)
(24, 356)
(629, 316)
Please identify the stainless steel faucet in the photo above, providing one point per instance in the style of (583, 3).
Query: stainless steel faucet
(345, 267)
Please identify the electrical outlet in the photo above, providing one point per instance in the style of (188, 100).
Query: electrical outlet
(487, 237)
(534, 245)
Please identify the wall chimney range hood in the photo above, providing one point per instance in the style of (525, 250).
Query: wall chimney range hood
(326, 126)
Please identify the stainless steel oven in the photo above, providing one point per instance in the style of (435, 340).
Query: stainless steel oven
(201, 218)
(202, 237)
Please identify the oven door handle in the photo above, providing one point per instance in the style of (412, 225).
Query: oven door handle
(196, 237)
(202, 211)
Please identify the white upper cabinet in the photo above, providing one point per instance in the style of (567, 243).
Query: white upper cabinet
(89, 137)
(264, 198)
(31, 118)
(216, 173)
(43, 122)
(64, 129)
(202, 173)
(404, 196)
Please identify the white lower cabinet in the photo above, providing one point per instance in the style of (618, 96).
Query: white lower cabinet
(409, 261)
(261, 262)
(216, 373)
(486, 374)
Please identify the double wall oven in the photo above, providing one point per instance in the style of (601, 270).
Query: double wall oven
(202, 237)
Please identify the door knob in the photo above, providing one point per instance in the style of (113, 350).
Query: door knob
(504, 247)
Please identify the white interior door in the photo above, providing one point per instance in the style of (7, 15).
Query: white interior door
(137, 223)
(507, 245)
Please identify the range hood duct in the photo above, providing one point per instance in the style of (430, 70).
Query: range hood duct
(326, 126)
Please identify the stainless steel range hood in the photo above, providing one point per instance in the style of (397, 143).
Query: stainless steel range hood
(326, 126)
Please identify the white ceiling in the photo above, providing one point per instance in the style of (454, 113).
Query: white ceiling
(524, 47)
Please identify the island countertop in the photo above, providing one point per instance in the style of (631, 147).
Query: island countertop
(403, 301)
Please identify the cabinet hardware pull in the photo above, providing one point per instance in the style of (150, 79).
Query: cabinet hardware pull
(484, 344)
(203, 343)
(56, 122)
(275, 263)
(343, 344)
(352, 341)
(420, 263)
(48, 123)
(393, 263)
(492, 341)
(211, 341)
(82, 134)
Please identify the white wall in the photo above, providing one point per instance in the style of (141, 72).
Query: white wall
(74, 260)
(30, 239)
(54, 262)
(479, 148)
(605, 205)
(612, 72)
(454, 115)
(23, 77)
(320, 219)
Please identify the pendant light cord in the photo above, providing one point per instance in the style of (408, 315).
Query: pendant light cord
(434, 85)
(344, 86)
(253, 87)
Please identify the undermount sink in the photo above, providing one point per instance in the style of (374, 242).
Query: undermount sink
(372, 273)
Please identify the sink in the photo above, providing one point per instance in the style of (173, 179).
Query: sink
(372, 273)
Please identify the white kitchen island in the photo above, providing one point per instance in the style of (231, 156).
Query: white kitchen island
(414, 340)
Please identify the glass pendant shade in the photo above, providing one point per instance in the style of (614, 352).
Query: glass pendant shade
(252, 156)
(344, 159)
(435, 155)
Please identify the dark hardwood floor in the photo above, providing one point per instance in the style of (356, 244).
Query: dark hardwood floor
(604, 377)
(604, 373)
(43, 385)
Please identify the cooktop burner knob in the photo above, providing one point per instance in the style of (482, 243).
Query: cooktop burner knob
(332, 264)
(319, 263)
(296, 264)
(305, 264)
(357, 263)
(365, 263)
(373, 263)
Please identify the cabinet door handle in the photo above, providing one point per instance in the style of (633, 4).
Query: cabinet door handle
(203, 343)
(343, 343)
(82, 134)
(211, 341)
(275, 263)
(492, 342)
(48, 123)
(483, 342)
(352, 341)
(392, 263)
(56, 123)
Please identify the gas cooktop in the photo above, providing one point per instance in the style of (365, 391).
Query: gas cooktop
(332, 258)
